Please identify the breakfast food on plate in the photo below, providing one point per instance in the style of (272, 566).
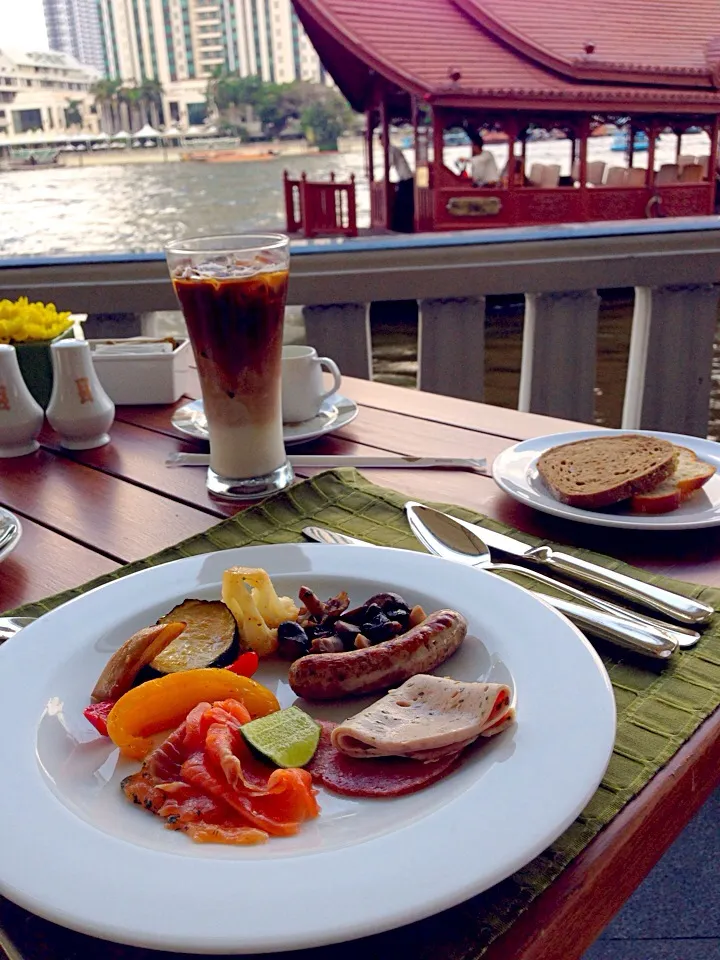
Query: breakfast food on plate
(287, 738)
(410, 738)
(382, 777)
(690, 474)
(600, 471)
(258, 611)
(652, 475)
(328, 676)
(163, 703)
(425, 719)
(330, 627)
(204, 780)
(252, 621)
(127, 662)
(209, 637)
(222, 777)
(235, 768)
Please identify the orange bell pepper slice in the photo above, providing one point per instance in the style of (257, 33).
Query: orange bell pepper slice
(164, 703)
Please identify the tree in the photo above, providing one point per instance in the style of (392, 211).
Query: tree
(271, 108)
(73, 114)
(324, 121)
(151, 94)
(231, 97)
(234, 101)
(131, 98)
(105, 93)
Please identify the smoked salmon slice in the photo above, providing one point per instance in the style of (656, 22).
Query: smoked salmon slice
(204, 780)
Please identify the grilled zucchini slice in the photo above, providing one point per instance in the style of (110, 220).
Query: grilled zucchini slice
(208, 640)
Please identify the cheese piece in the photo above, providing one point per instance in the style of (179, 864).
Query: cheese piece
(426, 718)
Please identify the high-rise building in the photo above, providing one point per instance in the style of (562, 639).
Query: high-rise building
(181, 42)
(73, 27)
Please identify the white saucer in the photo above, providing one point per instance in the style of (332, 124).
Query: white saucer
(9, 518)
(515, 472)
(337, 411)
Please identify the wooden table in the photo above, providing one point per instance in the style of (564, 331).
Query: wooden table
(86, 514)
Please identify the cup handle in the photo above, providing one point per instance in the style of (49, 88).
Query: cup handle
(332, 368)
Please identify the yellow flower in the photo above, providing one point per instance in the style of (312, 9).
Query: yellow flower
(21, 321)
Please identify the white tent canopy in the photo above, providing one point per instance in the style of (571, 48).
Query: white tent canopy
(121, 135)
(172, 132)
(147, 131)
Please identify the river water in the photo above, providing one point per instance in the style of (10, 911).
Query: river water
(140, 207)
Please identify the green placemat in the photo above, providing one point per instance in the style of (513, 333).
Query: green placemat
(659, 707)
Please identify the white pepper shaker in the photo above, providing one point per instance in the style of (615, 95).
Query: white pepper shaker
(21, 416)
(79, 409)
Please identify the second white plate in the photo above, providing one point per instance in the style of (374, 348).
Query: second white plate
(337, 411)
(515, 472)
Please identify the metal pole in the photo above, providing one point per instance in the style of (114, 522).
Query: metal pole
(369, 162)
(384, 126)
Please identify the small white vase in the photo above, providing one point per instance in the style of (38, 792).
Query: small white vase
(21, 416)
(79, 409)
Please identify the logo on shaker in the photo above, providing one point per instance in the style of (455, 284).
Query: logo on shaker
(4, 400)
(83, 389)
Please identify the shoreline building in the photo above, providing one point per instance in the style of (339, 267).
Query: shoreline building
(73, 27)
(36, 91)
(180, 43)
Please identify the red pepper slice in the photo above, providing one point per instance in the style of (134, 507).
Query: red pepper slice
(246, 664)
(97, 714)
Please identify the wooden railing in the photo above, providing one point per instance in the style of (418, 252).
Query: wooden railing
(320, 208)
(674, 266)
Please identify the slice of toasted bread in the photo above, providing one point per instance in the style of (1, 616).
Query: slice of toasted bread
(690, 474)
(598, 472)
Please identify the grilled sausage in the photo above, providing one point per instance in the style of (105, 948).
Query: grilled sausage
(328, 676)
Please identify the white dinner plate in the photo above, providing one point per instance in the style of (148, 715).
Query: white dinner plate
(335, 412)
(9, 519)
(76, 852)
(515, 471)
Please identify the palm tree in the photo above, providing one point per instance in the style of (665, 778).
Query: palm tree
(132, 107)
(105, 93)
(152, 95)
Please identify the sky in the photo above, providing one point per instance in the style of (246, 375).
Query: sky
(25, 30)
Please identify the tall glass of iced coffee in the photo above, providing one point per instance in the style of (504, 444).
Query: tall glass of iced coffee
(232, 291)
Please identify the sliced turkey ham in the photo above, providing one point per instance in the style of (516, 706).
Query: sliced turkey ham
(427, 718)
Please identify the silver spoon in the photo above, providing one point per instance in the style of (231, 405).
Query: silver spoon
(9, 626)
(445, 537)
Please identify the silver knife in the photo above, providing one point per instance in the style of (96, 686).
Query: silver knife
(671, 605)
(624, 632)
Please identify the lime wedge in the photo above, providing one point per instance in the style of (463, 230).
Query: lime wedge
(288, 737)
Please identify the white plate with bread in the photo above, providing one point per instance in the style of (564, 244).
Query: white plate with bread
(636, 479)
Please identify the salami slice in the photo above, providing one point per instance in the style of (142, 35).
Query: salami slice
(372, 777)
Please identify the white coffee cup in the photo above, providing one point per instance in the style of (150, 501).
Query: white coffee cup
(303, 390)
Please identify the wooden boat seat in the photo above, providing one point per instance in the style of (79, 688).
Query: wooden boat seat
(616, 176)
(636, 177)
(691, 173)
(596, 172)
(668, 173)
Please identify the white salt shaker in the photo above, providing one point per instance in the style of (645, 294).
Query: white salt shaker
(21, 416)
(79, 409)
